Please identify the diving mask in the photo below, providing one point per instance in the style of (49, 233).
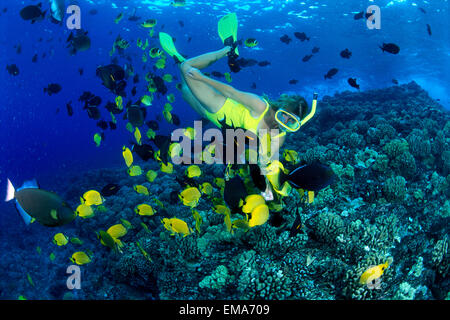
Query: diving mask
(290, 122)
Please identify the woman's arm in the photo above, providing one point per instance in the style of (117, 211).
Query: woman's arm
(253, 102)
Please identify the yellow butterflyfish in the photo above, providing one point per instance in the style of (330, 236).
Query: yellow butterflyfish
(137, 135)
(144, 210)
(84, 211)
(92, 197)
(252, 201)
(193, 171)
(260, 215)
(190, 197)
(80, 258)
(134, 171)
(151, 175)
(206, 188)
(117, 231)
(60, 239)
(141, 189)
(166, 168)
(175, 225)
(127, 156)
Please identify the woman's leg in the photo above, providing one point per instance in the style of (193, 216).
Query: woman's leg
(211, 99)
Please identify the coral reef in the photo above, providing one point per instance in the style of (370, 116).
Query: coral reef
(389, 202)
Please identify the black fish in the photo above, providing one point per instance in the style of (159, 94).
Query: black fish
(159, 84)
(133, 91)
(78, 42)
(253, 86)
(163, 143)
(32, 13)
(293, 81)
(135, 116)
(297, 225)
(331, 73)
(301, 36)
(181, 23)
(69, 109)
(86, 96)
(94, 113)
(175, 119)
(422, 10)
(18, 48)
(34, 59)
(52, 88)
(136, 78)
(144, 151)
(352, 82)
(152, 124)
(429, 29)
(234, 193)
(315, 49)
(390, 47)
(80, 71)
(93, 12)
(12, 69)
(359, 15)
(95, 101)
(263, 63)
(394, 81)
(242, 62)
(307, 57)
(258, 179)
(102, 124)
(285, 39)
(346, 54)
(312, 177)
(112, 125)
(110, 190)
(113, 78)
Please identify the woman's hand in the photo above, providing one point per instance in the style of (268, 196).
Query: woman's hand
(195, 74)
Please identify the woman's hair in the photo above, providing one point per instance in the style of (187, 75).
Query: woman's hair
(294, 104)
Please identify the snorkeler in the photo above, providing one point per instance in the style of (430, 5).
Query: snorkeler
(220, 102)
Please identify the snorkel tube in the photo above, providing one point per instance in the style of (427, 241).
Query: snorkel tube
(312, 112)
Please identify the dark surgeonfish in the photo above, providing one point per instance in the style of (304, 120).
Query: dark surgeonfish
(113, 78)
(48, 208)
(234, 193)
(285, 39)
(33, 13)
(144, 151)
(12, 69)
(331, 73)
(346, 54)
(78, 42)
(390, 47)
(110, 189)
(429, 30)
(301, 36)
(52, 88)
(315, 50)
(311, 177)
(352, 82)
(307, 57)
(57, 8)
(153, 124)
(359, 15)
(135, 115)
(297, 225)
(163, 144)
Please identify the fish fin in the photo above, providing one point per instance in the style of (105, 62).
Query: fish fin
(25, 216)
(30, 184)
(9, 191)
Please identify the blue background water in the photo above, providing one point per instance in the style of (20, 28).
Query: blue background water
(37, 142)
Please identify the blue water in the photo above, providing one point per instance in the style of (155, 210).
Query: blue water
(37, 142)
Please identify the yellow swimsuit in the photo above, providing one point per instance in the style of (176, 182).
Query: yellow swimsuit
(236, 115)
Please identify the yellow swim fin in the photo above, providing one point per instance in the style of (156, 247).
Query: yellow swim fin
(167, 44)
